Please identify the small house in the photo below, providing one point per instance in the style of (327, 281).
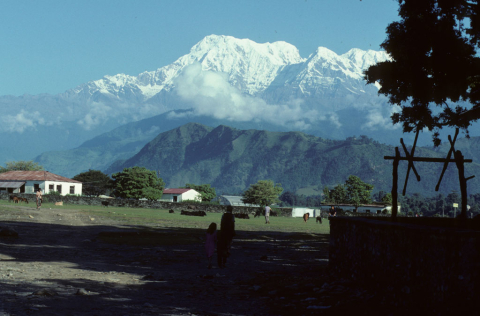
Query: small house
(179, 195)
(31, 181)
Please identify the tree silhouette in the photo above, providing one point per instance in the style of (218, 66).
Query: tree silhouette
(434, 71)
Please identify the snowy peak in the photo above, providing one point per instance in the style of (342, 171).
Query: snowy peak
(215, 46)
(249, 66)
(326, 63)
(364, 59)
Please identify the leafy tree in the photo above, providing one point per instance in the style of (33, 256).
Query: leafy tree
(95, 182)
(207, 192)
(326, 195)
(21, 166)
(288, 198)
(434, 65)
(338, 194)
(264, 192)
(358, 192)
(379, 195)
(387, 199)
(138, 182)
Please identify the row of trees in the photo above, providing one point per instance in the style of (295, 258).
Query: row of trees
(354, 191)
(439, 205)
(139, 182)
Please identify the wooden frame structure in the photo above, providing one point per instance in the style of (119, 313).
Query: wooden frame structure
(458, 159)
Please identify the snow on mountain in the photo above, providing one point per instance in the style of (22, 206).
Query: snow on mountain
(251, 67)
(222, 78)
(236, 79)
(364, 59)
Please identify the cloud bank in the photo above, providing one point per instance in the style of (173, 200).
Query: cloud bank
(211, 94)
(21, 121)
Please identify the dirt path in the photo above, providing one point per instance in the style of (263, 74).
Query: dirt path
(67, 263)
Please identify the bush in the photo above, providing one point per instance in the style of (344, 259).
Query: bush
(53, 193)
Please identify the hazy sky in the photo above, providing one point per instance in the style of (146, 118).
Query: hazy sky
(49, 46)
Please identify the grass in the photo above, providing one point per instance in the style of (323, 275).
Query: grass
(161, 217)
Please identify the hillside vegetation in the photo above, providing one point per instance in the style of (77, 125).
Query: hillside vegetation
(230, 160)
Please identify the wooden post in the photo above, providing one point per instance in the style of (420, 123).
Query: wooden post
(396, 160)
(459, 160)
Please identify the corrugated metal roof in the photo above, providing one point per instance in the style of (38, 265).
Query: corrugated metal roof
(11, 184)
(233, 200)
(175, 191)
(34, 176)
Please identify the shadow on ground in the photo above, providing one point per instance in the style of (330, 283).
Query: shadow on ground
(55, 269)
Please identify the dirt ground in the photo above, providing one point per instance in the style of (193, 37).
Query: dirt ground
(67, 263)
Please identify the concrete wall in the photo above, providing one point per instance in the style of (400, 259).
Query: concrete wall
(82, 200)
(435, 265)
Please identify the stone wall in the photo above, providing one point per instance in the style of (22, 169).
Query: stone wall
(176, 206)
(428, 264)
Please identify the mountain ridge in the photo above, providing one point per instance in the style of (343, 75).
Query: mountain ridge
(230, 160)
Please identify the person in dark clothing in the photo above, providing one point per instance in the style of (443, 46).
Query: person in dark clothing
(333, 212)
(222, 250)
(227, 228)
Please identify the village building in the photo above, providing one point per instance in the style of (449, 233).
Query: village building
(179, 195)
(233, 200)
(31, 181)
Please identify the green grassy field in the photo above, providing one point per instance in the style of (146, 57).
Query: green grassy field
(161, 217)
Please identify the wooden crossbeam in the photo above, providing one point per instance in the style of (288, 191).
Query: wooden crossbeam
(458, 159)
(410, 162)
(449, 155)
(424, 159)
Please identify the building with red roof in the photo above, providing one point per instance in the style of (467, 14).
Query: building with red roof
(31, 181)
(179, 195)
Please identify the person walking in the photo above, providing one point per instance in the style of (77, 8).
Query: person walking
(210, 241)
(267, 214)
(39, 198)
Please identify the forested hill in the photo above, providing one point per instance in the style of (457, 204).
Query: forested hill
(230, 160)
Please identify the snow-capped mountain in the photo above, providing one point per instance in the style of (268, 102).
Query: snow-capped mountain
(251, 67)
(236, 80)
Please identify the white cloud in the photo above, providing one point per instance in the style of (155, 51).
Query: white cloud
(21, 121)
(99, 112)
(378, 119)
(211, 94)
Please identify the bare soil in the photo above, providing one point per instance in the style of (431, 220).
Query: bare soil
(68, 263)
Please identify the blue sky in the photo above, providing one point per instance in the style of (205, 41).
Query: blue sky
(52, 46)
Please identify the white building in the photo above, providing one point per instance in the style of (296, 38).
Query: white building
(300, 211)
(31, 181)
(179, 195)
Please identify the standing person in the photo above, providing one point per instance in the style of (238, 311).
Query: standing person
(39, 198)
(267, 214)
(227, 228)
(210, 241)
(222, 250)
(332, 211)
